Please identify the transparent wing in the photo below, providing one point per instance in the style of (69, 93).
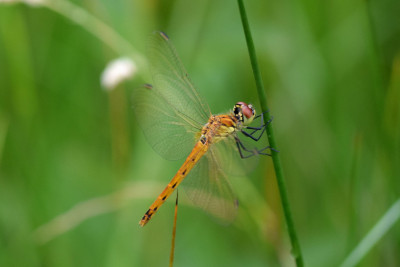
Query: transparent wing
(170, 132)
(171, 112)
(208, 188)
(229, 157)
(172, 81)
(207, 185)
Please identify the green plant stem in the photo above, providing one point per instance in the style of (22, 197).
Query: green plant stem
(296, 252)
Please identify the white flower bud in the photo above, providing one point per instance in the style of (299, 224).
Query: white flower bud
(116, 72)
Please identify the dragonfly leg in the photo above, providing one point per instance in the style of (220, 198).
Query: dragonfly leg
(261, 128)
(242, 148)
(257, 129)
(253, 152)
(251, 134)
(261, 124)
(261, 115)
(262, 151)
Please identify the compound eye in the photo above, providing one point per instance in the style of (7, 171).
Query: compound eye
(247, 111)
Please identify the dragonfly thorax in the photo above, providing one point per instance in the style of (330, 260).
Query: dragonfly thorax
(219, 127)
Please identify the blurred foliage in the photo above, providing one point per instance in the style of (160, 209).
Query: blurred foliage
(332, 72)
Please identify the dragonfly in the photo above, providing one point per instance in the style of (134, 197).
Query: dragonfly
(177, 122)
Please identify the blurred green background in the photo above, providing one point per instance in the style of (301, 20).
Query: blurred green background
(76, 174)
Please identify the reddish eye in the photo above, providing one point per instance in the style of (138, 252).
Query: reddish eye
(248, 112)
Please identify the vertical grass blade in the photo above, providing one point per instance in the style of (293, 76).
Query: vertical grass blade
(296, 252)
(3, 134)
(376, 233)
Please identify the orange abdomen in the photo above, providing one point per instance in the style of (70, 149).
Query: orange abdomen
(198, 151)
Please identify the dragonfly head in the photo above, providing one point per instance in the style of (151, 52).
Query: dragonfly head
(244, 113)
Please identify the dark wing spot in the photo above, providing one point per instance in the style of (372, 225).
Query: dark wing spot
(164, 35)
(148, 86)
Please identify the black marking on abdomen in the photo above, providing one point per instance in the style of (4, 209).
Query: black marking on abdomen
(164, 197)
(173, 186)
(148, 214)
(184, 172)
(203, 140)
